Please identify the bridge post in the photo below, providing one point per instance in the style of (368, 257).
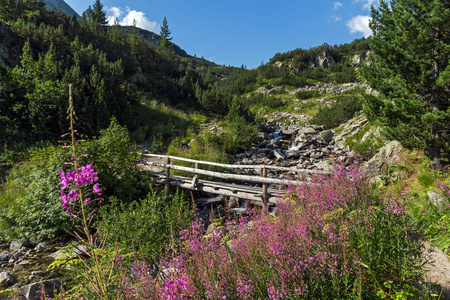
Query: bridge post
(264, 187)
(168, 178)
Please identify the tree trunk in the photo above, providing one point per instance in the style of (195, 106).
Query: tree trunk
(434, 148)
(434, 154)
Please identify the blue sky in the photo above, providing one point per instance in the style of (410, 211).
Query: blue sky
(236, 32)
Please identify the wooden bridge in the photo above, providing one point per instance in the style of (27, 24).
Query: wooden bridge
(256, 189)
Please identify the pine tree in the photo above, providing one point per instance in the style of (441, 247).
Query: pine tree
(99, 15)
(410, 51)
(165, 35)
(95, 14)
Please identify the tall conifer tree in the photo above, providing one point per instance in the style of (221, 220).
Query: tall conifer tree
(410, 51)
(165, 34)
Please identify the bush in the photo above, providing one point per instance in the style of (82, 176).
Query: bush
(30, 205)
(339, 112)
(302, 95)
(433, 217)
(30, 199)
(147, 226)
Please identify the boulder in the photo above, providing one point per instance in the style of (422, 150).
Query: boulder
(327, 135)
(41, 248)
(4, 256)
(306, 130)
(17, 244)
(292, 153)
(279, 155)
(6, 279)
(387, 155)
(435, 198)
(34, 290)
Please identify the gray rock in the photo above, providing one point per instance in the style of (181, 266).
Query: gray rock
(18, 254)
(435, 198)
(4, 256)
(316, 155)
(307, 130)
(17, 244)
(327, 135)
(24, 262)
(37, 273)
(16, 285)
(279, 155)
(292, 154)
(41, 248)
(6, 279)
(233, 202)
(249, 152)
(54, 255)
(388, 155)
(33, 291)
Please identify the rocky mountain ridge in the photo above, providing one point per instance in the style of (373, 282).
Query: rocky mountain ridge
(61, 5)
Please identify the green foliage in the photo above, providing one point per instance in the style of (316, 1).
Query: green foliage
(413, 102)
(30, 205)
(96, 15)
(340, 111)
(111, 158)
(14, 9)
(372, 143)
(29, 200)
(302, 95)
(431, 212)
(148, 226)
(388, 249)
(165, 34)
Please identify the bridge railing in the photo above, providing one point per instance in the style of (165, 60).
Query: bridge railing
(218, 188)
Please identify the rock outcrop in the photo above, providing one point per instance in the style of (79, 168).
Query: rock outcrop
(387, 156)
(34, 290)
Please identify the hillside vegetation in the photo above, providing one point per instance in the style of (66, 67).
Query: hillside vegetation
(118, 89)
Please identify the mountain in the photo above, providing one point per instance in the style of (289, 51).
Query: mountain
(61, 5)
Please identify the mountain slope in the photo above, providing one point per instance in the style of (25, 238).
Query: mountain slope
(61, 5)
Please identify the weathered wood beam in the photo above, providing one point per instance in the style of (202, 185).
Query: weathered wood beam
(246, 178)
(230, 166)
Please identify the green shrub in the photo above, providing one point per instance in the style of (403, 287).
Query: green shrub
(432, 216)
(30, 199)
(302, 95)
(370, 146)
(426, 179)
(339, 112)
(30, 205)
(148, 226)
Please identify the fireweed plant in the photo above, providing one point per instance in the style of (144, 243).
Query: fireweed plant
(333, 239)
(80, 193)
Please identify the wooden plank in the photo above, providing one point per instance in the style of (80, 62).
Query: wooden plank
(232, 188)
(220, 185)
(204, 188)
(245, 178)
(230, 166)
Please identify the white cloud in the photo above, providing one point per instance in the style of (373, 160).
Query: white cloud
(360, 24)
(368, 3)
(336, 18)
(337, 5)
(128, 19)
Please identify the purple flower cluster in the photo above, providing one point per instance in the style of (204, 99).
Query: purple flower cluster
(80, 178)
(305, 252)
